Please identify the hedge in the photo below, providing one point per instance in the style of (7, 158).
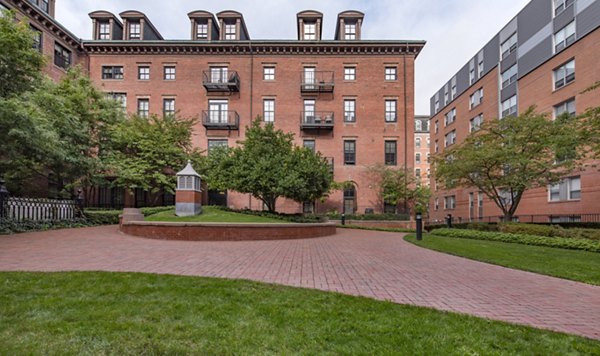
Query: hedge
(294, 218)
(370, 217)
(385, 229)
(549, 231)
(557, 242)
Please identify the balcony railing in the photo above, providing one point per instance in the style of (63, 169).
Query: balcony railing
(220, 120)
(316, 120)
(317, 82)
(222, 81)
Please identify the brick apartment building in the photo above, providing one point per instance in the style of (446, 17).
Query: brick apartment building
(422, 151)
(545, 56)
(350, 99)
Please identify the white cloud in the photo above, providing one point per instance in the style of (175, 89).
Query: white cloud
(454, 30)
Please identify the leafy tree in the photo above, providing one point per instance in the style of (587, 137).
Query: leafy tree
(20, 63)
(507, 157)
(397, 187)
(268, 166)
(590, 127)
(147, 152)
(57, 131)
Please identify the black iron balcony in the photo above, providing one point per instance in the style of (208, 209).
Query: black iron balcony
(221, 81)
(317, 82)
(316, 120)
(220, 120)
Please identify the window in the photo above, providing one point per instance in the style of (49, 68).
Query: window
(268, 73)
(453, 91)
(437, 204)
(218, 111)
(169, 72)
(417, 158)
(350, 152)
(564, 37)
(436, 126)
(349, 73)
(450, 117)
(428, 142)
(418, 172)
(561, 5)
(143, 107)
(567, 189)
(437, 146)
(349, 200)
(509, 76)
(475, 123)
(269, 110)
(418, 142)
(119, 97)
(428, 159)
(418, 125)
(230, 31)
(565, 107)
(135, 31)
(390, 111)
(62, 56)
(480, 68)
(437, 105)
(450, 202)
(112, 72)
(564, 74)
(509, 107)
(509, 46)
(391, 73)
(212, 144)
(480, 204)
(310, 78)
(349, 110)
(309, 111)
(389, 208)
(44, 5)
(144, 73)
(310, 31)
(104, 31)
(202, 31)
(310, 144)
(472, 76)
(350, 31)
(390, 153)
(168, 107)
(37, 38)
(218, 75)
(476, 98)
(450, 138)
(446, 96)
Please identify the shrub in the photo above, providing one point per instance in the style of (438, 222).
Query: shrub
(550, 231)
(102, 217)
(557, 242)
(156, 209)
(9, 226)
(386, 229)
(369, 217)
(294, 218)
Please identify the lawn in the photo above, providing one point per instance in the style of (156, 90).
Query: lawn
(576, 265)
(132, 314)
(212, 214)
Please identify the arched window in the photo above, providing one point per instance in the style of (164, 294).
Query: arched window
(418, 158)
(350, 200)
(418, 125)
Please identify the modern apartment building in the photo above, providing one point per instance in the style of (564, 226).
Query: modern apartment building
(422, 151)
(545, 56)
(349, 98)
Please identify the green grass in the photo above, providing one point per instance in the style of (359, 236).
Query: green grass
(212, 214)
(133, 314)
(576, 265)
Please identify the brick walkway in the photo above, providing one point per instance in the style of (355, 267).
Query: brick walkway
(373, 264)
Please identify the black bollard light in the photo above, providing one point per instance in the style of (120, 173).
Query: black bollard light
(3, 198)
(419, 219)
(449, 221)
(343, 219)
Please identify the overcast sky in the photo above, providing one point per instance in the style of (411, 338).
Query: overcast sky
(455, 30)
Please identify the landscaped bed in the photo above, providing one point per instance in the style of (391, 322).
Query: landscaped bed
(582, 266)
(214, 214)
(128, 313)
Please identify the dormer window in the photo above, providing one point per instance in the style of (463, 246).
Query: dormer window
(310, 31)
(202, 31)
(135, 31)
(350, 31)
(44, 5)
(230, 31)
(104, 31)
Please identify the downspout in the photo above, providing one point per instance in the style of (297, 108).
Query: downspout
(251, 101)
(405, 132)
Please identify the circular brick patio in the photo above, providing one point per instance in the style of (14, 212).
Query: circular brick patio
(373, 264)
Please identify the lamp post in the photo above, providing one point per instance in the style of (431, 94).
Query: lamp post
(449, 221)
(3, 198)
(419, 222)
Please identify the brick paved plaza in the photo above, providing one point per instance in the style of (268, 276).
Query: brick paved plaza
(373, 264)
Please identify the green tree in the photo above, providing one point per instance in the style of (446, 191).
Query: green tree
(147, 152)
(507, 157)
(590, 127)
(396, 186)
(20, 63)
(268, 166)
(57, 131)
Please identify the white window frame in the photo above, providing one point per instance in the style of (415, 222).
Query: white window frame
(450, 117)
(143, 107)
(509, 76)
(391, 73)
(168, 106)
(475, 123)
(143, 72)
(563, 75)
(391, 110)
(169, 72)
(561, 5)
(566, 106)
(268, 73)
(450, 138)
(509, 107)
(564, 37)
(509, 46)
(231, 31)
(310, 31)
(269, 110)
(349, 110)
(350, 73)
(349, 31)
(137, 34)
(202, 31)
(476, 98)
